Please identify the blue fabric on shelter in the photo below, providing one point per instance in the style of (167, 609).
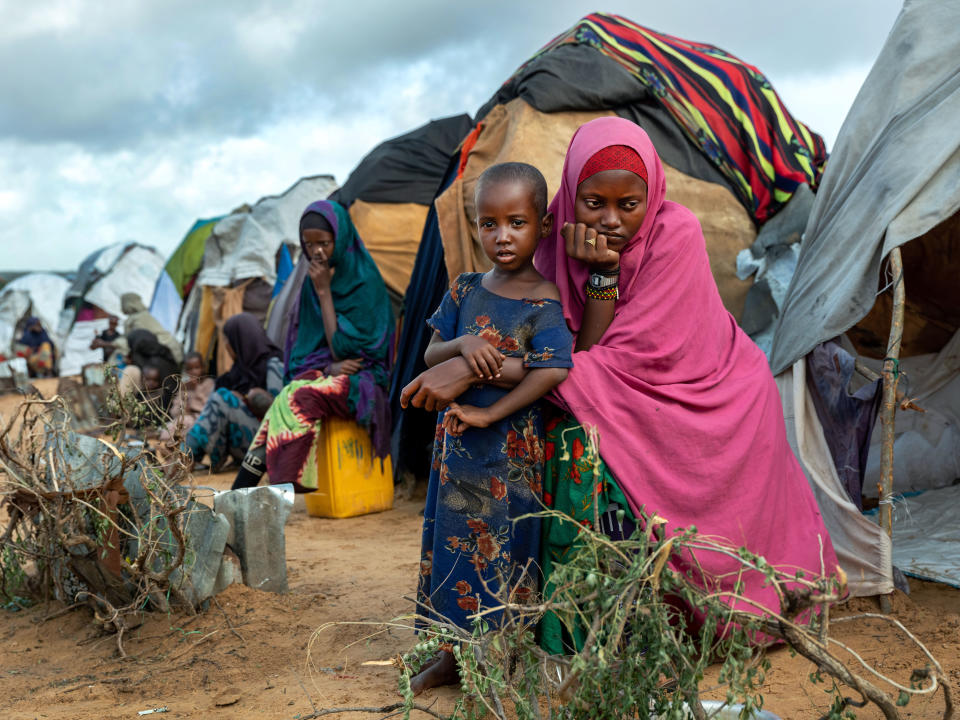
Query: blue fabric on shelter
(413, 429)
(284, 270)
(847, 419)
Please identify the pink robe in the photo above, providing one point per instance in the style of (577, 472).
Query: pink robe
(689, 417)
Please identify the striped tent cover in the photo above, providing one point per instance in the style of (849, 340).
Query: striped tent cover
(726, 108)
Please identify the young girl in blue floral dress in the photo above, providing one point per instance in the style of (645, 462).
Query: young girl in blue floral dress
(488, 454)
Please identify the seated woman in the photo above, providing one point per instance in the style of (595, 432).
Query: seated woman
(145, 351)
(37, 348)
(139, 318)
(688, 415)
(337, 352)
(226, 425)
(188, 402)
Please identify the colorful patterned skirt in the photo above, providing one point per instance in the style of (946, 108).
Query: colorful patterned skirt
(568, 486)
(224, 429)
(291, 428)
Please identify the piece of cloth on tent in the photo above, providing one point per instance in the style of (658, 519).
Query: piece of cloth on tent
(413, 428)
(724, 106)
(687, 412)
(893, 175)
(227, 302)
(284, 270)
(179, 273)
(847, 418)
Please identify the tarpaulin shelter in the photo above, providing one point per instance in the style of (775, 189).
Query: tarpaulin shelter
(102, 278)
(240, 265)
(731, 151)
(179, 274)
(885, 222)
(39, 294)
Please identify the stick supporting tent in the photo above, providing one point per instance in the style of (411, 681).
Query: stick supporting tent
(891, 377)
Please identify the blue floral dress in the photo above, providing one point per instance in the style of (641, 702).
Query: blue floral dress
(485, 479)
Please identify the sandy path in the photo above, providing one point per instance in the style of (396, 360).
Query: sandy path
(355, 570)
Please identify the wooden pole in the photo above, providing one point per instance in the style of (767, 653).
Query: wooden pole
(888, 411)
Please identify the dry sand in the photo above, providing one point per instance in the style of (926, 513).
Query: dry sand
(250, 655)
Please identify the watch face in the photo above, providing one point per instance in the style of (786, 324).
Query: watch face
(602, 281)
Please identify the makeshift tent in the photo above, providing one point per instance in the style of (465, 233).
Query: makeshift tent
(240, 265)
(94, 295)
(731, 151)
(179, 274)
(39, 294)
(889, 197)
(389, 191)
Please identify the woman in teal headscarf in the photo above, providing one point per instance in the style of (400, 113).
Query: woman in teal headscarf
(337, 354)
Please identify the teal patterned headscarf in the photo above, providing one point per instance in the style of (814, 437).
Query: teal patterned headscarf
(365, 320)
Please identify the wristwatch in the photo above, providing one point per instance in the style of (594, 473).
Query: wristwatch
(602, 282)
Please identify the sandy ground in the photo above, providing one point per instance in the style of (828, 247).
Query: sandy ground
(259, 655)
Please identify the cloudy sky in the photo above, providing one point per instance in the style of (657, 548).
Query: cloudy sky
(128, 120)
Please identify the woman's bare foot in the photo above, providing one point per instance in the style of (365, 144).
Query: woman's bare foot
(443, 671)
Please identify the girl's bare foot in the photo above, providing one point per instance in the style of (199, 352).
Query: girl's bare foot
(443, 671)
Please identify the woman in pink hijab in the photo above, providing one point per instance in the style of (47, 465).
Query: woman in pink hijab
(688, 416)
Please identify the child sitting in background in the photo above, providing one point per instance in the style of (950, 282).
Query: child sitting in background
(187, 403)
(488, 454)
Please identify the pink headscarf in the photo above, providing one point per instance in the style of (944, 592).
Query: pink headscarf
(689, 416)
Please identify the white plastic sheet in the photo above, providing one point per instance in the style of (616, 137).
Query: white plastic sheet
(39, 294)
(244, 245)
(926, 535)
(863, 549)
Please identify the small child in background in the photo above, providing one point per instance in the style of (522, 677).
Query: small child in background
(187, 404)
(487, 469)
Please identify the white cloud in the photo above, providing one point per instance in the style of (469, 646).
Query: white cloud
(822, 101)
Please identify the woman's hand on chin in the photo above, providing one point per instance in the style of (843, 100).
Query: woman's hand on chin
(350, 366)
(320, 272)
(584, 244)
(437, 387)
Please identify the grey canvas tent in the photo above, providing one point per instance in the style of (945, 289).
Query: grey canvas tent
(890, 194)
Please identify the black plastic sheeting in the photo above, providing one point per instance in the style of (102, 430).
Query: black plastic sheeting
(578, 77)
(408, 168)
(413, 429)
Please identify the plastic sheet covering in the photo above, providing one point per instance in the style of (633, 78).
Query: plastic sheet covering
(863, 549)
(39, 294)
(244, 245)
(892, 176)
(109, 273)
(772, 260)
(926, 449)
(75, 351)
(926, 538)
